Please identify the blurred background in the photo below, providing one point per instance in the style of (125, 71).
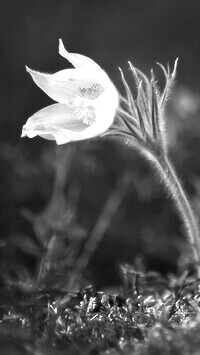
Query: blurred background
(87, 207)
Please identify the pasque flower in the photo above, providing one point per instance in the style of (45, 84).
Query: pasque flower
(86, 101)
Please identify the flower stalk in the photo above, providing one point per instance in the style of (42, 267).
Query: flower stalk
(175, 190)
(141, 121)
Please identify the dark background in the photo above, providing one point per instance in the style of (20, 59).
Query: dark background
(45, 190)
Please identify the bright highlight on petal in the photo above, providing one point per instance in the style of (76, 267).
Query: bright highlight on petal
(87, 101)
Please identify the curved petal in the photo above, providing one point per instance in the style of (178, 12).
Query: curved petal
(57, 122)
(77, 60)
(63, 135)
(47, 120)
(59, 90)
(66, 84)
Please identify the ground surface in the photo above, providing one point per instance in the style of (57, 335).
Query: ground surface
(149, 314)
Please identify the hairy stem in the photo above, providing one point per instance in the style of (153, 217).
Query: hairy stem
(174, 187)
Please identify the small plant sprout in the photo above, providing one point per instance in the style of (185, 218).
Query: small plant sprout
(86, 101)
(141, 121)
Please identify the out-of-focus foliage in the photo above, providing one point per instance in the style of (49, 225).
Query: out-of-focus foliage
(58, 195)
(62, 195)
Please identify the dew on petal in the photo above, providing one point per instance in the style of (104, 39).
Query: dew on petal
(91, 92)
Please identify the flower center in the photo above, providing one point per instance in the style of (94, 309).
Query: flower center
(91, 92)
(85, 114)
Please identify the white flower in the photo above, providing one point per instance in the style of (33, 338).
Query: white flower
(86, 101)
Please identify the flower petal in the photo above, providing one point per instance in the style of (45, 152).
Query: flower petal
(58, 122)
(66, 84)
(59, 90)
(47, 120)
(77, 60)
(63, 135)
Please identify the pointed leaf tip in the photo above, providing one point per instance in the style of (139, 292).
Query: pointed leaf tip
(177, 60)
(163, 69)
(175, 67)
(76, 59)
(23, 133)
(131, 66)
(61, 47)
(30, 71)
